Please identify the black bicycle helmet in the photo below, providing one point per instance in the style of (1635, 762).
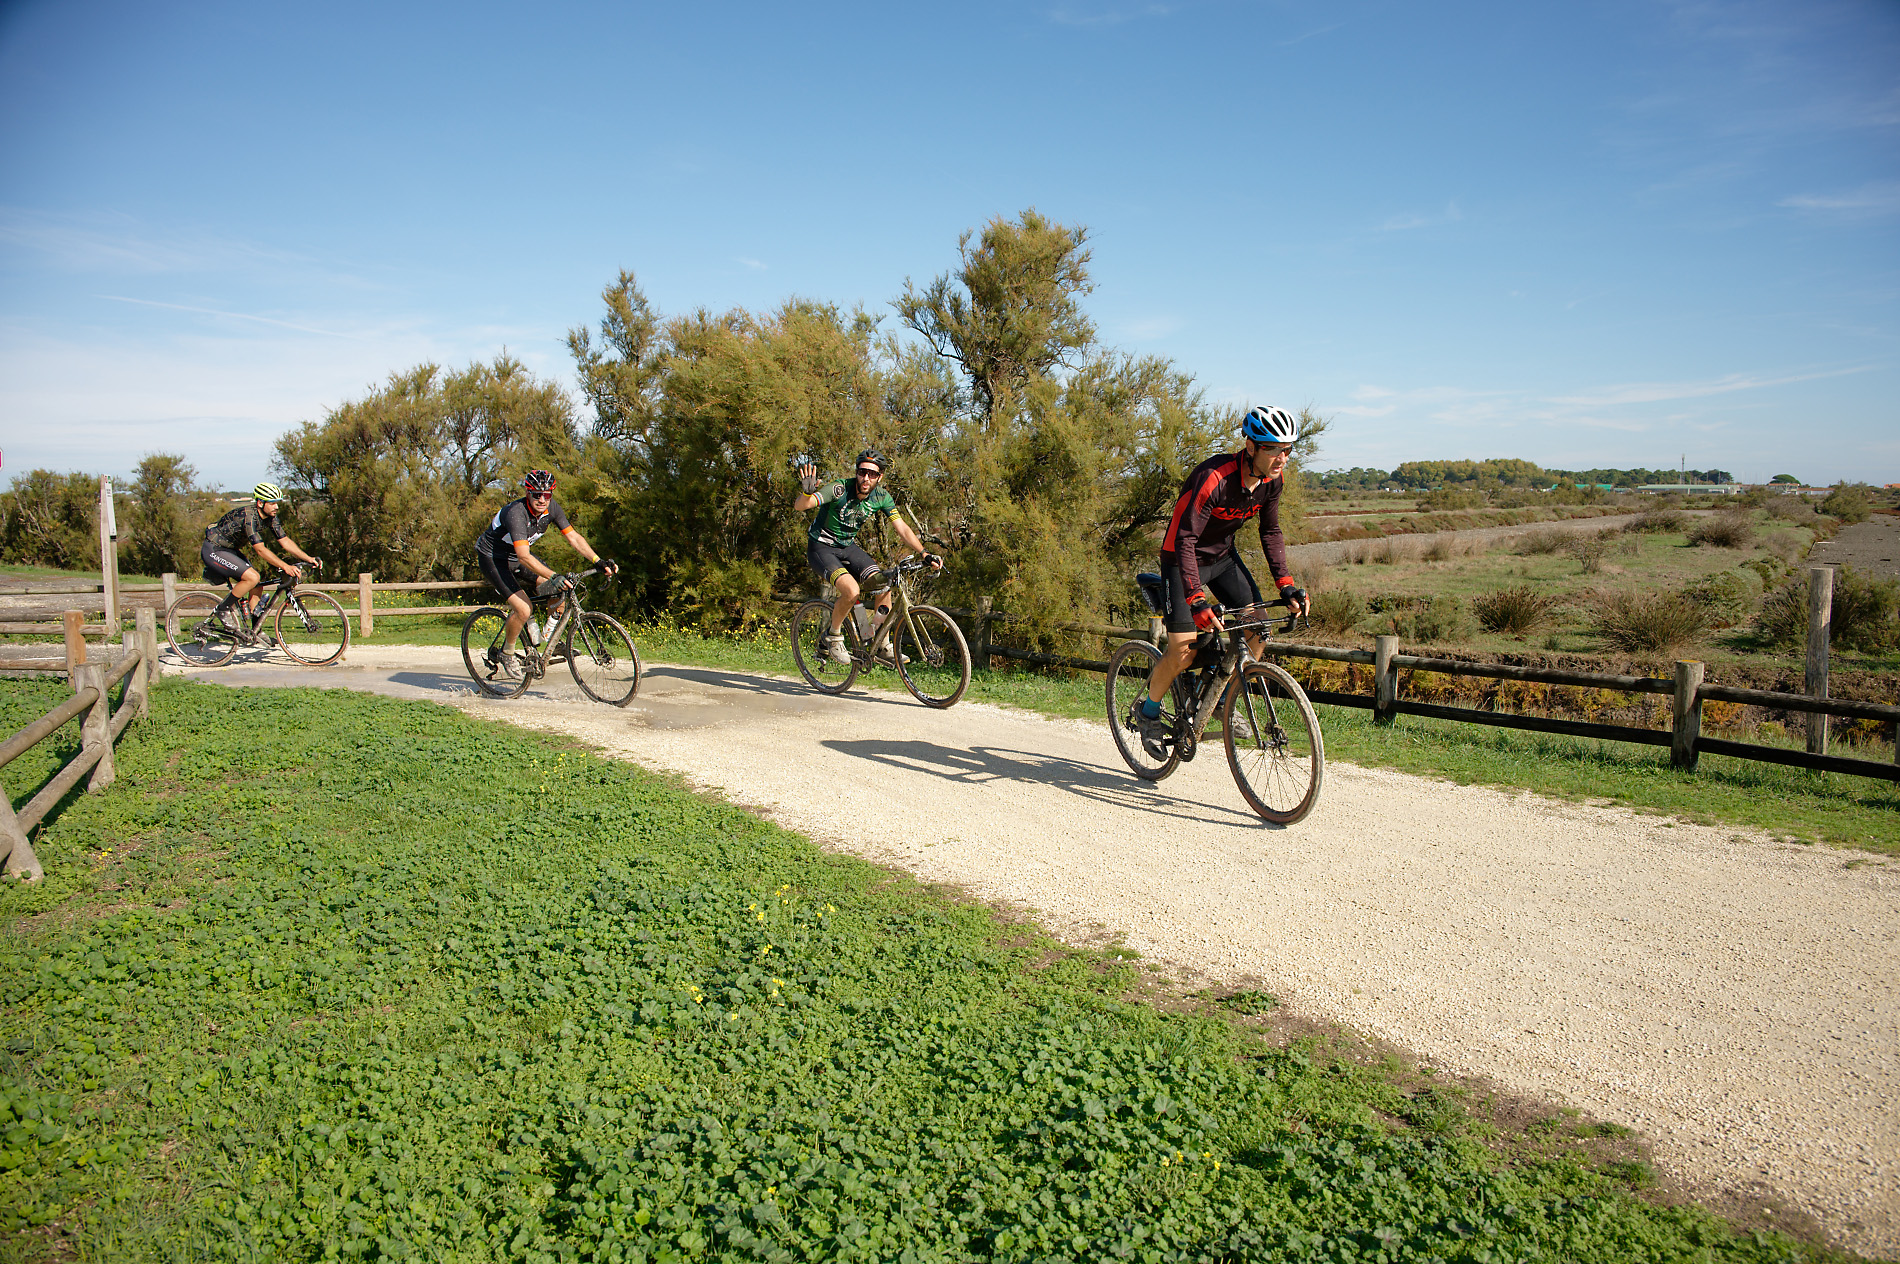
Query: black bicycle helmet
(538, 483)
(875, 458)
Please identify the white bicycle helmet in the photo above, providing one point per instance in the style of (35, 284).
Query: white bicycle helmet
(1269, 425)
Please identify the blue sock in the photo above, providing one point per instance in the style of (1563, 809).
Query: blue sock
(1150, 709)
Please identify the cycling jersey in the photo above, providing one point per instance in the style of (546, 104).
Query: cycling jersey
(841, 515)
(515, 522)
(244, 525)
(1213, 506)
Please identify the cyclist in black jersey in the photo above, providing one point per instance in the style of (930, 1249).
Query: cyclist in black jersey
(247, 525)
(502, 551)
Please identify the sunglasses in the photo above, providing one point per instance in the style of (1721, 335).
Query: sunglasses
(870, 471)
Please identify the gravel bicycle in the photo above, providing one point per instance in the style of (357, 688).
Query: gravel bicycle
(600, 652)
(207, 629)
(1271, 732)
(922, 642)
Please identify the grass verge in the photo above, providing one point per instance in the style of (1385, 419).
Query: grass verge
(328, 975)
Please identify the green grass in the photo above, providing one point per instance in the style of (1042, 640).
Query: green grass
(333, 976)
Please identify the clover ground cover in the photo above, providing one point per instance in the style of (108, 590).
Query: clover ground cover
(328, 975)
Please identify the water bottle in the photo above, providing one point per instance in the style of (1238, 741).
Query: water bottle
(534, 633)
(863, 618)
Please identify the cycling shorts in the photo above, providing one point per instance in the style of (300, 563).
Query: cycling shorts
(502, 573)
(1227, 580)
(222, 565)
(833, 560)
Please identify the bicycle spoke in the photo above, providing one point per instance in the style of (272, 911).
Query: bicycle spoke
(1273, 743)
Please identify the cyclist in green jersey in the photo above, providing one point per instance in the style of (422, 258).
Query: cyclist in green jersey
(844, 508)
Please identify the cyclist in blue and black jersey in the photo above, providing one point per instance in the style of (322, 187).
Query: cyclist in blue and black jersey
(247, 525)
(846, 506)
(1199, 562)
(503, 553)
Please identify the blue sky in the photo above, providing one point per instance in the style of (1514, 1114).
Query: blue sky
(1599, 234)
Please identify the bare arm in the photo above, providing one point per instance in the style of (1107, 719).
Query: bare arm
(586, 550)
(529, 562)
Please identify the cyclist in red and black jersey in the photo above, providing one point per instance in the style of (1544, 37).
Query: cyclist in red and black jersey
(1198, 558)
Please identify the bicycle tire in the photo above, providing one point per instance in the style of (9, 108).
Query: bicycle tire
(318, 631)
(1274, 745)
(483, 630)
(612, 672)
(1124, 687)
(195, 632)
(938, 667)
(809, 627)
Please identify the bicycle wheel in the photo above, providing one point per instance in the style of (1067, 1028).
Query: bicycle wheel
(809, 627)
(932, 656)
(601, 655)
(482, 632)
(197, 634)
(312, 627)
(1126, 685)
(1273, 743)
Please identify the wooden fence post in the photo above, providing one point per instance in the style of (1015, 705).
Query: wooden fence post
(72, 621)
(1820, 630)
(147, 622)
(1155, 629)
(109, 554)
(20, 860)
(1688, 714)
(169, 582)
(365, 602)
(1385, 679)
(95, 729)
(983, 633)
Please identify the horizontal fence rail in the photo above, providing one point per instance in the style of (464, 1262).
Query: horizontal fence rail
(100, 727)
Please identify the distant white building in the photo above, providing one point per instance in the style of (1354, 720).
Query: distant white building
(1697, 489)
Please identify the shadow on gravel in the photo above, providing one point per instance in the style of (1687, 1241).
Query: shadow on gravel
(729, 680)
(979, 765)
(434, 682)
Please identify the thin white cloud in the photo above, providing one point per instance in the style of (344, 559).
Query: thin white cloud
(212, 311)
(754, 264)
(1880, 198)
(116, 244)
(1402, 223)
(1112, 16)
(1315, 34)
(1657, 392)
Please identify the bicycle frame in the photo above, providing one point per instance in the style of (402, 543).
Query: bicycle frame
(1234, 659)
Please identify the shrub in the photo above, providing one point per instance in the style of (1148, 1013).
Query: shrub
(1657, 521)
(1724, 531)
(1850, 502)
(1389, 550)
(1439, 550)
(1767, 569)
(1866, 613)
(1647, 622)
(1449, 498)
(1588, 550)
(1546, 541)
(1337, 610)
(1726, 595)
(1432, 619)
(1514, 610)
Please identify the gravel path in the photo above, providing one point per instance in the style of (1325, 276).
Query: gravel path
(1871, 547)
(1735, 999)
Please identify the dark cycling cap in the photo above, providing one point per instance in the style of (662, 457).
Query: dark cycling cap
(538, 482)
(875, 458)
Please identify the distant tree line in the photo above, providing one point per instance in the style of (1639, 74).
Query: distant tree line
(1496, 473)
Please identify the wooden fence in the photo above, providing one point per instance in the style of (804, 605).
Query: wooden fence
(86, 592)
(1687, 690)
(100, 727)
